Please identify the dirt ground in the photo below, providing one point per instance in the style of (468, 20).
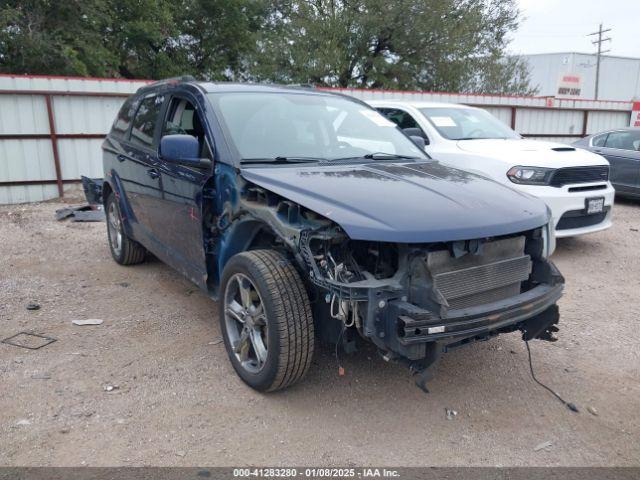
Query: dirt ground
(176, 400)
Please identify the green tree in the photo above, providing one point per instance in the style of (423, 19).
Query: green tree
(455, 45)
(53, 36)
(132, 39)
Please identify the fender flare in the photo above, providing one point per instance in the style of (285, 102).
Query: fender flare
(113, 183)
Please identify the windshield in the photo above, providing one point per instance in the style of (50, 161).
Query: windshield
(467, 124)
(281, 126)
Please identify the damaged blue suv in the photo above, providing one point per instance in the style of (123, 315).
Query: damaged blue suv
(309, 216)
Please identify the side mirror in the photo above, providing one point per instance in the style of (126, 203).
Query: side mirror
(419, 141)
(182, 149)
(416, 132)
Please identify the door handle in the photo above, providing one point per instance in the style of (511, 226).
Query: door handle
(153, 173)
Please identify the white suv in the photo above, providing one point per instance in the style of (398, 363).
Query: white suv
(574, 183)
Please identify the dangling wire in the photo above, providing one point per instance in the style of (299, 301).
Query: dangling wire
(340, 367)
(569, 405)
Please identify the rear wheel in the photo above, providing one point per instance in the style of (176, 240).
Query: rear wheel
(266, 320)
(124, 250)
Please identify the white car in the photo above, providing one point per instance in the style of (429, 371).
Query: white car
(574, 183)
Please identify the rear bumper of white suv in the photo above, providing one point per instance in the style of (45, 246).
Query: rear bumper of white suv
(568, 206)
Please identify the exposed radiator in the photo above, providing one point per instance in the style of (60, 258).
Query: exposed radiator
(494, 274)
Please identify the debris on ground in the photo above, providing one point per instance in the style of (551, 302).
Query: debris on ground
(31, 341)
(33, 306)
(592, 411)
(23, 422)
(41, 376)
(88, 321)
(124, 284)
(216, 341)
(110, 388)
(81, 213)
(451, 414)
(181, 453)
(543, 446)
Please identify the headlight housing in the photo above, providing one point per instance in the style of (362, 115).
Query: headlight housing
(530, 175)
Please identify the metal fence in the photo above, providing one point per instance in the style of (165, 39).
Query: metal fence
(51, 127)
(548, 118)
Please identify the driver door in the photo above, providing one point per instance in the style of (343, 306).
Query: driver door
(179, 222)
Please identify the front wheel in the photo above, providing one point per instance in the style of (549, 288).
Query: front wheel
(266, 320)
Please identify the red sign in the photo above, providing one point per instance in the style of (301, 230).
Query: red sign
(569, 85)
(635, 115)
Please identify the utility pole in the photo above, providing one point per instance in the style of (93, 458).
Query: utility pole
(599, 42)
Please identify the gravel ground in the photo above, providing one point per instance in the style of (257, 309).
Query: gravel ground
(176, 400)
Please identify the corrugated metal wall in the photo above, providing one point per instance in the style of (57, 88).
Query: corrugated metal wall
(619, 76)
(82, 110)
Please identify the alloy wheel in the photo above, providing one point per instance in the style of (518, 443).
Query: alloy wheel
(246, 323)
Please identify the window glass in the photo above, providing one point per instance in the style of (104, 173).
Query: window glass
(144, 123)
(399, 117)
(624, 140)
(268, 125)
(123, 120)
(403, 120)
(183, 119)
(598, 141)
(467, 124)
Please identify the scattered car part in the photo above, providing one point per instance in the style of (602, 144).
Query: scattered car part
(89, 321)
(31, 341)
(81, 213)
(92, 190)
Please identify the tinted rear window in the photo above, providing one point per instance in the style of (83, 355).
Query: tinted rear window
(123, 120)
(144, 124)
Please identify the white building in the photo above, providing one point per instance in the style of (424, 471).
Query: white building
(564, 74)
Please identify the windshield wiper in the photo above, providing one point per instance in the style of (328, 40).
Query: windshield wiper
(281, 160)
(374, 155)
(482, 138)
(377, 156)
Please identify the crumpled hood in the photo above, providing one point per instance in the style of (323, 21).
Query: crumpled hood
(532, 153)
(406, 203)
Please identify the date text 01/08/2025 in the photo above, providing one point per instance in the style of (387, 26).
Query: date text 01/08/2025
(316, 472)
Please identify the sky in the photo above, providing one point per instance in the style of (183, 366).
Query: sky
(562, 26)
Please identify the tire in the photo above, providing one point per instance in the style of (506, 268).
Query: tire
(129, 251)
(275, 314)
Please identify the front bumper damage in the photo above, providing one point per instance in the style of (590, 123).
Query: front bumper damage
(385, 311)
(408, 330)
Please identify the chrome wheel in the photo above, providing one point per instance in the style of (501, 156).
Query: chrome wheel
(246, 323)
(115, 229)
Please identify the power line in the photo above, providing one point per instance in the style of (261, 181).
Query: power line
(599, 42)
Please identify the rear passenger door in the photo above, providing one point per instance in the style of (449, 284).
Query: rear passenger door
(622, 149)
(179, 222)
(143, 178)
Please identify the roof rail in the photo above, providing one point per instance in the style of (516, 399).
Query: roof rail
(301, 85)
(170, 81)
